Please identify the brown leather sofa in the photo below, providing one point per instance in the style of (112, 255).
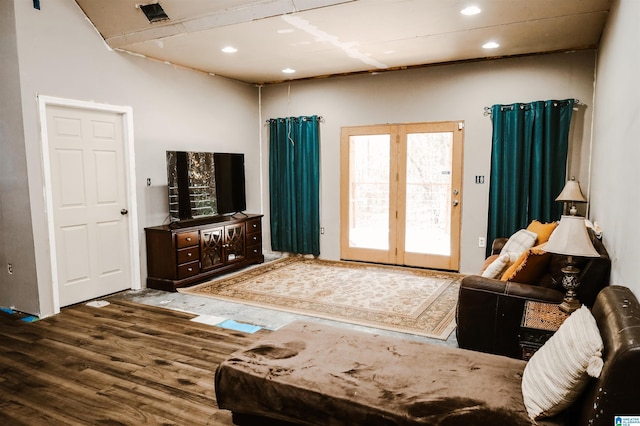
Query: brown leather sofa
(309, 373)
(489, 311)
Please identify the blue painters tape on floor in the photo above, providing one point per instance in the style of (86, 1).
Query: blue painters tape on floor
(238, 326)
(7, 310)
(29, 319)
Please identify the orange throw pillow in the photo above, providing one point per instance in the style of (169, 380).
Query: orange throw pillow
(530, 266)
(543, 230)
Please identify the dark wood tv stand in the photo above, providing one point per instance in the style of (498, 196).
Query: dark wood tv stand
(183, 254)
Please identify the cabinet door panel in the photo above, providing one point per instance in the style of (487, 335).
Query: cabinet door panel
(235, 243)
(211, 248)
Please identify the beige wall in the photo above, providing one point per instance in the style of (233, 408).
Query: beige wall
(16, 238)
(440, 93)
(615, 200)
(60, 54)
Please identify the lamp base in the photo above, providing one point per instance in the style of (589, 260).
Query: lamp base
(570, 303)
(569, 306)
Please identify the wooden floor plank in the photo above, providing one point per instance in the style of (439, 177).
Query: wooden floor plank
(128, 364)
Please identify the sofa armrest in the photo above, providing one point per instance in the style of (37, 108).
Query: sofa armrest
(497, 245)
(490, 311)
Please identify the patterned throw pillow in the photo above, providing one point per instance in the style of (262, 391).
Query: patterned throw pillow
(519, 242)
(558, 372)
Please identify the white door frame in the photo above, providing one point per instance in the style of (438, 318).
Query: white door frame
(129, 158)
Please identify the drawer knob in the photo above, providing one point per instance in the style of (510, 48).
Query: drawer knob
(189, 254)
(190, 269)
(188, 238)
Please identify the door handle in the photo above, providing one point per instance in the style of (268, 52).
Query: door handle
(456, 202)
(124, 212)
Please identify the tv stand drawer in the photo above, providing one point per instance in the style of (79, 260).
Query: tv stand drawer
(188, 255)
(188, 270)
(186, 239)
(254, 226)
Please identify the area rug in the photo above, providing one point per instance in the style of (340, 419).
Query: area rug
(400, 299)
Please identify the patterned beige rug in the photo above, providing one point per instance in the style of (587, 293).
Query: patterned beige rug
(392, 298)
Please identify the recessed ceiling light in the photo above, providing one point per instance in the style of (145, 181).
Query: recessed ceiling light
(229, 49)
(471, 10)
(286, 31)
(491, 45)
(288, 70)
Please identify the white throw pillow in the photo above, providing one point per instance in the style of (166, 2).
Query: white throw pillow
(519, 242)
(558, 372)
(499, 265)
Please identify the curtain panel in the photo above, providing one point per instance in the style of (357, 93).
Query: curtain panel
(294, 184)
(530, 143)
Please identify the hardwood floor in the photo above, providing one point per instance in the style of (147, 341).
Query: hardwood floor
(122, 364)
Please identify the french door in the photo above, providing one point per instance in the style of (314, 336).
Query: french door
(401, 194)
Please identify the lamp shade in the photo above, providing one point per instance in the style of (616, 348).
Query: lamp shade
(571, 238)
(572, 192)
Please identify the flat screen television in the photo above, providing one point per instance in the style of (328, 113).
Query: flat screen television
(230, 186)
(204, 184)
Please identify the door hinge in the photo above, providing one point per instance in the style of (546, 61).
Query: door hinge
(460, 125)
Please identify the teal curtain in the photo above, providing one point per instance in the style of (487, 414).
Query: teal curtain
(528, 164)
(294, 184)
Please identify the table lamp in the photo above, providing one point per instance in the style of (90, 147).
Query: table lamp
(571, 193)
(571, 238)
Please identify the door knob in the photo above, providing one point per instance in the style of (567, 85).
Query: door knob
(124, 211)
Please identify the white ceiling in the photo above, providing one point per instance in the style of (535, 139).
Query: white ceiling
(321, 38)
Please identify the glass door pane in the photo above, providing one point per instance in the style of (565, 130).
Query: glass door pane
(369, 191)
(428, 189)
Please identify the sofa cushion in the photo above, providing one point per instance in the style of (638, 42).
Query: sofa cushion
(558, 372)
(529, 267)
(542, 230)
(519, 242)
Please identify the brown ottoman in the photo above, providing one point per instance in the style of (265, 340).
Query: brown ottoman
(314, 374)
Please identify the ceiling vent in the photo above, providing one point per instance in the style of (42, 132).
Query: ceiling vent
(154, 12)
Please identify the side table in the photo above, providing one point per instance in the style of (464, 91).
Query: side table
(539, 321)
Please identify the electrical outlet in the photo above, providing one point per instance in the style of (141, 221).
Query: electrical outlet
(482, 242)
(10, 268)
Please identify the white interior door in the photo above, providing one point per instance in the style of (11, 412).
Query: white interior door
(89, 202)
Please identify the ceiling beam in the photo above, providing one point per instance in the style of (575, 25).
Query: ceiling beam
(261, 9)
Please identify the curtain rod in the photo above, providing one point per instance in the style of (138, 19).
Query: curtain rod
(487, 110)
(320, 119)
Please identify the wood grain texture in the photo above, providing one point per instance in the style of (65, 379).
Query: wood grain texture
(122, 364)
